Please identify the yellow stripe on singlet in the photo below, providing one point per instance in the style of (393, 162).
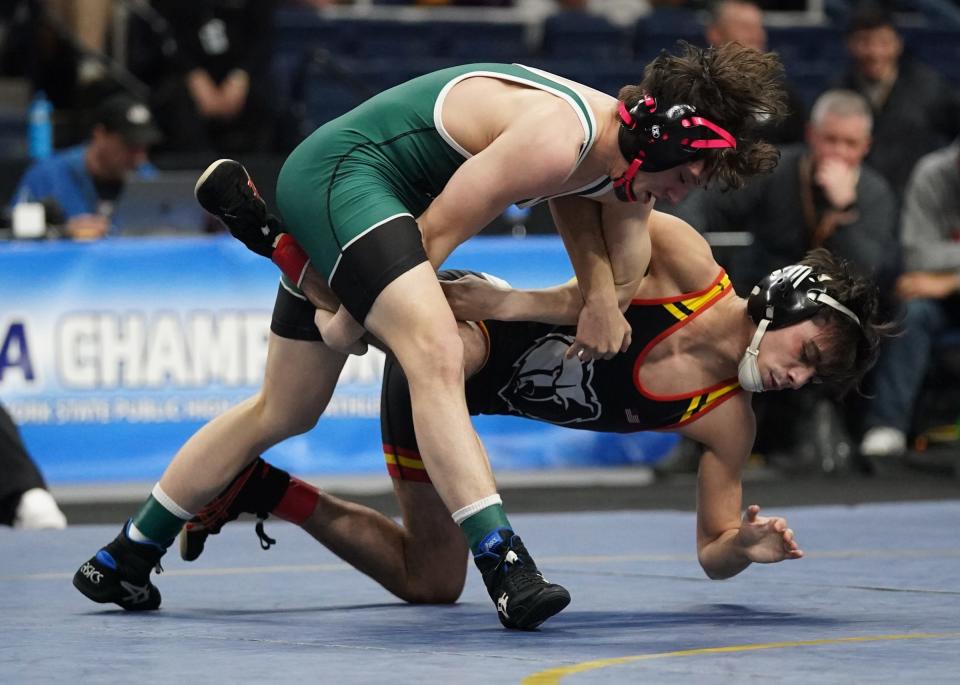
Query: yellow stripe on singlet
(692, 407)
(684, 308)
(695, 303)
(672, 308)
(703, 402)
(405, 462)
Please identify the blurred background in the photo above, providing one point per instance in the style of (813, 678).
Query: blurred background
(130, 319)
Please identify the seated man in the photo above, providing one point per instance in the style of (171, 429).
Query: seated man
(698, 352)
(83, 183)
(929, 289)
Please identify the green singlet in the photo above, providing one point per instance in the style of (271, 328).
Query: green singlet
(390, 157)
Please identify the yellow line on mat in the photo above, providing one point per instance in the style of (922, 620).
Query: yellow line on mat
(553, 675)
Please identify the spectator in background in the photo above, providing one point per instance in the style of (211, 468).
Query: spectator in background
(915, 111)
(216, 98)
(741, 21)
(622, 13)
(822, 194)
(24, 499)
(80, 186)
(930, 291)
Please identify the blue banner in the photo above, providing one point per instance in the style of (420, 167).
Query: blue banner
(113, 353)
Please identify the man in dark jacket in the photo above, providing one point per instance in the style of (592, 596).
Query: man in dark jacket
(915, 111)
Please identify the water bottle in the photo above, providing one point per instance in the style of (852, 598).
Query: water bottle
(40, 127)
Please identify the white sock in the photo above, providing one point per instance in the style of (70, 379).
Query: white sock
(460, 515)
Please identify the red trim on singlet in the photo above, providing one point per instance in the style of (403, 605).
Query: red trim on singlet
(693, 417)
(398, 470)
(686, 296)
(650, 345)
(401, 451)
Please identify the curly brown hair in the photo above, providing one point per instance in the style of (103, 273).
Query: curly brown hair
(738, 88)
(849, 350)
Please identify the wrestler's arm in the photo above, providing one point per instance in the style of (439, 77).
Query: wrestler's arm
(728, 540)
(627, 236)
(316, 290)
(594, 235)
(521, 162)
(681, 259)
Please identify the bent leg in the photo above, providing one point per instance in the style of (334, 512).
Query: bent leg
(300, 378)
(424, 560)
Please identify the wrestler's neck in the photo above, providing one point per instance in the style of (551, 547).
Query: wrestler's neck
(732, 330)
(608, 138)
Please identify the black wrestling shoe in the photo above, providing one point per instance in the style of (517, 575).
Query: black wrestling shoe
(226, 190)
(120, 573)
(257, 490)
(524, 598)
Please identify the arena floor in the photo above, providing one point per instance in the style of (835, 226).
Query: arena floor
(876, 600)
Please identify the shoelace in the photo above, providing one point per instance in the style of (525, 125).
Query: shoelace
(520, 576)
(266, 542)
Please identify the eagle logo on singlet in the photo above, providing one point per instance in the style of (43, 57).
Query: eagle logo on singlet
(547, 386)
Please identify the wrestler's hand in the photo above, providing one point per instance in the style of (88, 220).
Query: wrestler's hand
(767, 539)
(340, 331)
(473, 298)
(602, 333)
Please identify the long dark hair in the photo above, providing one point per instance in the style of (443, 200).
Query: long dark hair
(737, 88)
(851, 350)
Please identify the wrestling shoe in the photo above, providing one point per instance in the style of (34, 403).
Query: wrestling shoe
(523, 597)
(226, 190)
(120, 573)
(257, 490)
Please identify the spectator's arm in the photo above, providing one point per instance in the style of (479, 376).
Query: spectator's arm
(205, 93)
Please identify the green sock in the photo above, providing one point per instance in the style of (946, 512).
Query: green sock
(478, 526)
(157, 523)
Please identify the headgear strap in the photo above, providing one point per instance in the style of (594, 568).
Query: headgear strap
(784, 297)
(660, 141)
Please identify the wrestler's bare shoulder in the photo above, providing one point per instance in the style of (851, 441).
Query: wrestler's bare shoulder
(681, 257)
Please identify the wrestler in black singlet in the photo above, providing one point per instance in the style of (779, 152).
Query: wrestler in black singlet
(526, 374)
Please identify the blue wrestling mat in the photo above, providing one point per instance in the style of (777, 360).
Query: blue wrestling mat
(876, 600)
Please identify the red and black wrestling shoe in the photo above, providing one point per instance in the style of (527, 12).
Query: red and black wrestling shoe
(257, 490)
(226, 190)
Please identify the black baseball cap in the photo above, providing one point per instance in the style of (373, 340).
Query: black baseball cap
(129, 117)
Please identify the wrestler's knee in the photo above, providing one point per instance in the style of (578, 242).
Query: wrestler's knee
(440, 586)
(435, 356)
(286, 414)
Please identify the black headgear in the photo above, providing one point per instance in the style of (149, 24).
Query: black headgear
(658, 141)
(791, 294)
